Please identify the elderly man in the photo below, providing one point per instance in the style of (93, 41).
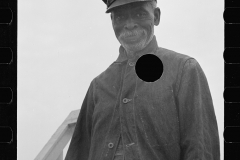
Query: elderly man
(150, 104)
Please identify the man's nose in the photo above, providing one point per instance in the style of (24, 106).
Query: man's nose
(130, 24)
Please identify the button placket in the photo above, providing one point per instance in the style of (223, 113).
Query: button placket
(128, 80)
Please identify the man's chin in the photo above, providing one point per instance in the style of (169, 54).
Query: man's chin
(134, 48)
(133, 42)
(134, 45)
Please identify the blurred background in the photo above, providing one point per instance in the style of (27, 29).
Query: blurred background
(64, 44)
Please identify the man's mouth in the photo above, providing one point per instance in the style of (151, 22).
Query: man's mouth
(132, 37)
(131, 34)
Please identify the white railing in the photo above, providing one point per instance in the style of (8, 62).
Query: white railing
(53, 150)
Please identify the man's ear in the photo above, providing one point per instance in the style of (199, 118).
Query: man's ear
(157, 14)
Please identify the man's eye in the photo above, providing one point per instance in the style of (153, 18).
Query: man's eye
(141, 14)
(119, 17)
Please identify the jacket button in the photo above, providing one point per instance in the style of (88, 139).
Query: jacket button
(131, 63)
(125, 100)
(110, 145)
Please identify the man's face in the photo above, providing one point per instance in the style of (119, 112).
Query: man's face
(133, 24)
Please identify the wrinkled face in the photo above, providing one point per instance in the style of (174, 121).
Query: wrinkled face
(133, 24)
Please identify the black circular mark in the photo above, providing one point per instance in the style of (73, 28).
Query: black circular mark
(149, 68)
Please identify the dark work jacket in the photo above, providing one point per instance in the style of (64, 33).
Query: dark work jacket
(172, 118)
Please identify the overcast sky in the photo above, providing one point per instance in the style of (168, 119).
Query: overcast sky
(64, 44)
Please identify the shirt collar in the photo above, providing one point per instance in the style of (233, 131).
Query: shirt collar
(149, 49)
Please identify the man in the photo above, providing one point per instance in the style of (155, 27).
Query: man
(128, 116)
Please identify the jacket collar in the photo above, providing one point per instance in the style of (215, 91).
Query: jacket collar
(149, 49)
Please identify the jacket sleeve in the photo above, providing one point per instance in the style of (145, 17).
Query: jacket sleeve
(81, 140)
(199, 138)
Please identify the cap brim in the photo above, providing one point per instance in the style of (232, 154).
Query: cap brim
(122, 2)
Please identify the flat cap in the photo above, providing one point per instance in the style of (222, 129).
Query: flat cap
(114, 3)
